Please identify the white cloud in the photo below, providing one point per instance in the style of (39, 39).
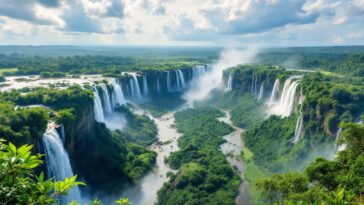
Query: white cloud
(213, 22)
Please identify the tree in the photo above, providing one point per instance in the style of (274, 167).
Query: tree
(18, 184)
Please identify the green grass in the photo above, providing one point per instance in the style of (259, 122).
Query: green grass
(2, 70)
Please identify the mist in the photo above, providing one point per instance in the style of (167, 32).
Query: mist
(201, 87)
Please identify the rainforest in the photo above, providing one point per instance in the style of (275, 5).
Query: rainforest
(167, 102)
(260, 134)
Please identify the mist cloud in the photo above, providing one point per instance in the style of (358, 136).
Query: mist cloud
(202, 87)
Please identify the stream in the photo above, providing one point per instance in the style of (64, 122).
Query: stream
(145, 192)
(232, 149)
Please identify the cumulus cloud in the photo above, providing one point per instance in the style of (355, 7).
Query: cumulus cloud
(179, 22)
(27, 10)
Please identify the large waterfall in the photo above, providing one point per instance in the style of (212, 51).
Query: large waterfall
(135, 88)
(198, 70)
(180, 80)
(229, 85)
(106, 100)
(98, 110)
(118, 95)
(261, 92)
(169, 86)
(58, 162)
(145, 85)
(275, 93)
(286, 103)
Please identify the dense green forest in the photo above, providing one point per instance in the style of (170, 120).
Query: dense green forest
(204, 176)
(73, 107)
(339, 181)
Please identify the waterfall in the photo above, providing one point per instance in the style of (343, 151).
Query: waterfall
(229, 86)
(158, 86)
(58, 163)
(168, 82)
(118, 95)
(261, 92)
(145, 85)
(198, 70)
(106, 100)
(98, 110)
(256, 86)
(177, 81)
(275, 92)
(134, 85)
(63, 135)
(299, 124)
(252, 87)
(286, 102)
(181, 80)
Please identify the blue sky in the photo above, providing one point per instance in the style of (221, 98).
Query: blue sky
(182, 22)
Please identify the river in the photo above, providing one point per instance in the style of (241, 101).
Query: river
(145, 192)
(232, 149)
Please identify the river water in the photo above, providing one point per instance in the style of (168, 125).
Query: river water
(145, 192)
(232, 149)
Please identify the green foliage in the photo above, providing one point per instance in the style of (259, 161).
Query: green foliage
(52, 75)
(336, 182)
(18, 184)
(140, 129)
(204, 176)
(21, 125)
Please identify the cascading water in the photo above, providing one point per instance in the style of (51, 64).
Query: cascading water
(106, 100)
(58, 163)
(261, 92)
(145, 85)
(286, 103)
(198, 71)
(98, 110)
(299, 124)
(118, 95)
(252, 86)
(229, 86)
(275, 92)
(158, 86)
(181, 80)
(169, 87)
(135, 88)
(177, 81)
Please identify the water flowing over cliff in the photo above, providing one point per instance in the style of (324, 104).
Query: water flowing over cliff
(261, 92)
(229, 85)
(58, 162)
(275, 93)
(299, 124)
(99, 111)
(286, 103)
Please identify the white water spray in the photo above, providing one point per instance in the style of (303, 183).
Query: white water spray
(181, 80)
(299, 124)
(145, 85)
(286, 102)
(275, 93)
(135, 88)
(106, 100)
(118, 95)
(261, 92)
(229, 86)
(212, 79)
(169, 86)
(58, 162)
(98, 110)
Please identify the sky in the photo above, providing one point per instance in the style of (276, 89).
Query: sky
(182, 22)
